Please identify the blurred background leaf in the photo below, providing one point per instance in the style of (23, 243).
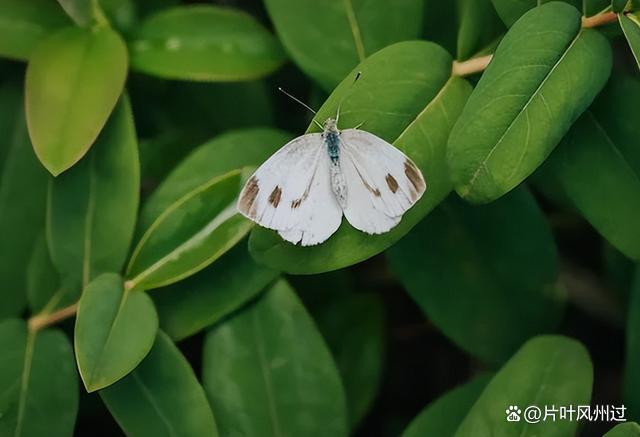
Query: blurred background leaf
(206, 43)
(72, 70)
(160, 396)
(483, 282)
(24, 23)
(345, 32)
(23, 186)
(36, 399)
(443, 416)
(267, 371)
(547, 370)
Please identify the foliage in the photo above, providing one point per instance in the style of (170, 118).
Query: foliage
(128, 128)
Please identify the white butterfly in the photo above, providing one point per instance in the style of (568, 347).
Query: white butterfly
(303, 189)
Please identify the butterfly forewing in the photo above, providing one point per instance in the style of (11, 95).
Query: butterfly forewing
(382, 182)
(290, 192)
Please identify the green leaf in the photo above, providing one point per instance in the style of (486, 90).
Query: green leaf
(443, 416)
(547, 370)
(204, 43)
(73, 82)
(353, 325)
(189, 235)
(631, 388)
(478, 26)
(83, 12)
(629, 429)
(227, 152)
(511, 10)
(23, 186)
(618, 5)
(545, 72)
(598, 158)
(203, 299)
(24, 23)
(593, 7)
(45, 291)
(38, 382)
(115, 329)
(630, 25)
(604, 142)
(261, 379)
(477, 282)
(415, 109)
(161, 397)
(92, 207)
(345, 32)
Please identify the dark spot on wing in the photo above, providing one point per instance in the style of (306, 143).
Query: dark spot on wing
(414, 176)
(296, 203)
(391, 182)
(249, 195)
(274, 197)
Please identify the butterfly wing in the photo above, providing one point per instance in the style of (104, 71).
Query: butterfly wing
(382, 182)
(291, 193)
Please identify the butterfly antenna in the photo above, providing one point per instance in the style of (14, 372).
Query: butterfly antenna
(346, 94)
(297, 100)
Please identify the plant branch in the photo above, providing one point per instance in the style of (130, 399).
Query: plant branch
(599, 20)
(40, 321)
(471, 66)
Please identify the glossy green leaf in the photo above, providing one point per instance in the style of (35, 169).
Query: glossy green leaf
(344, 32)
(190, 234)
(224, 153)
(618, 5)
(45, 291)
(630, 25)
(629, 429)
(24, 23)
(115, 329)
(511, 10)
(83, 12)
(631, 388)
(545, 72)
(38, 382)
(70, 71)
(414, 109)
(261, 379)
(92, 207)
(23, 186)
(204, 43)
(203, 299)
(547, 370)
(478, 27)
(477, 282)
(161, 397)
(353, 325)
(443, 416)
(598, 165)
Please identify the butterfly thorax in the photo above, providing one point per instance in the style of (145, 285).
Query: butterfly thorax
(331, 136)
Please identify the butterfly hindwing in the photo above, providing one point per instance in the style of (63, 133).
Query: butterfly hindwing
(382, 182)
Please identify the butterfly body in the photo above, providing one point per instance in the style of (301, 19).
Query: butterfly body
(304, 189)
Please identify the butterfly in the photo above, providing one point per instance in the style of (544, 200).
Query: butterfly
(303, 190)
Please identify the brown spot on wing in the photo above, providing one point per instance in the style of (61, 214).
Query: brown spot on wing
(391, 182)
(296, 203)
(249, 195)
(414, 176)
(274, 197)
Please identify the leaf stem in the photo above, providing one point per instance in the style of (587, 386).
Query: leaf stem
(41, 320)
(599, 20)
(471, 66)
